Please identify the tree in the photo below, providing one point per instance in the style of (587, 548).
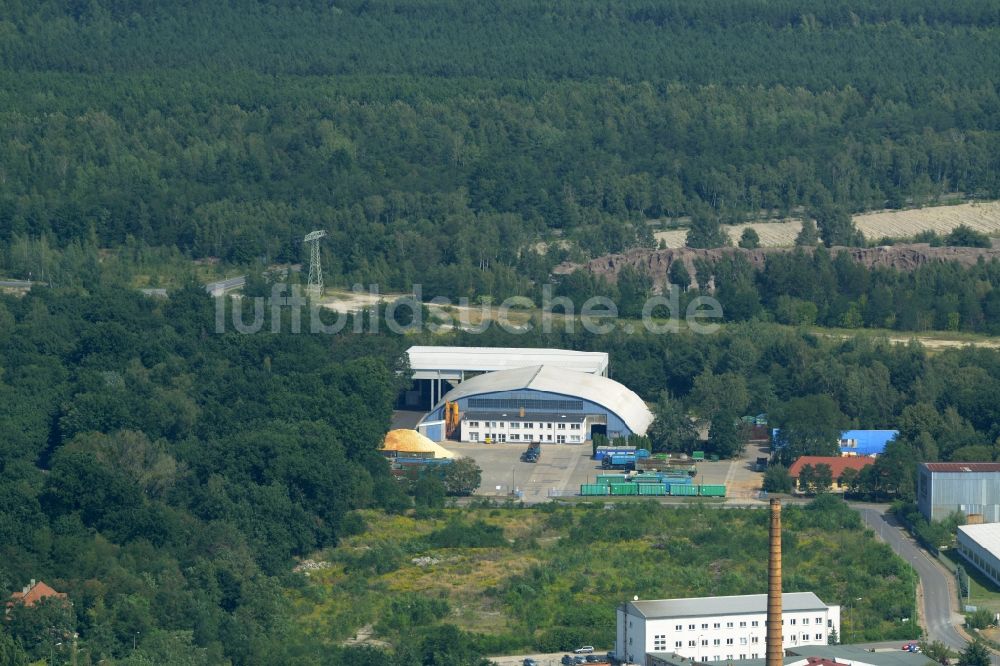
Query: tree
(805, 478)
(462, 477)
(975, 654)
(848, 479)
(822, 478)
(965, 236)
(429, 491)
(724, 438)
(833, 638)
(706, 232)
(837, 228)
(749, 239)
(672, 429)
(679, 275)
(808, 236)
(777, 479)
(809, 426)
(937, 651)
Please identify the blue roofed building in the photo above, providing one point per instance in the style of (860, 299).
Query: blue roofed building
(865, 442)
(856, 442)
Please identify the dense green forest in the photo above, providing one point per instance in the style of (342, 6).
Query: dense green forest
(440, 140)
(821, 287)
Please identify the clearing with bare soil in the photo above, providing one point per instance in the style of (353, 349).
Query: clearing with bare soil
(981, 216)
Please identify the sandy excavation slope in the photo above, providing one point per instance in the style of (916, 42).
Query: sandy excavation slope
(983, 217)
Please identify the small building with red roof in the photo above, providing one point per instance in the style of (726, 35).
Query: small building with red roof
(32, 593)
(837, 465)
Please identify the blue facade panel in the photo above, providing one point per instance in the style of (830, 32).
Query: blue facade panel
(616, 426)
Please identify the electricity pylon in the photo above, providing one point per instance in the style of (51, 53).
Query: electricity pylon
(314, 287)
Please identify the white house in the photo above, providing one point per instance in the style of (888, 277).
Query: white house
(537, 427)
(720, 628)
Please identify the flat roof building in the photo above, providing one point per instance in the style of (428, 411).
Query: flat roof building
(814, 655)
(980, 545)
(719, 628)
(969, 487)
(439, 364)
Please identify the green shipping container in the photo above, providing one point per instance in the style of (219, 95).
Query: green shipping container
(610, 478)
(655, 489)
(683, 490)
(624, 489)
(593, 489)
(713, 491)
(698, 455)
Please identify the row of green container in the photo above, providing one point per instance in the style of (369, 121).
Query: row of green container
(652, 489)
(610, 478)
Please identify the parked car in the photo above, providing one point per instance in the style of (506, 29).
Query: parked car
(579, 660)
(593, 659)
(912, 646)
(586, 649)
(567, 660)
(530, 662)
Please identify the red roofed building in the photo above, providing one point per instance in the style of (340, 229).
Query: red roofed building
(32, 594)
(837, 465)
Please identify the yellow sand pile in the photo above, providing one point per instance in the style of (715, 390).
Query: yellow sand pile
(411, 441)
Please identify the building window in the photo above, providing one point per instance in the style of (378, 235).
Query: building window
(805, 637)
(716, 625)
(704, 642)
(716, 642)
(754, 623)
(560, 426)
(529, 425)
(574, 426)
(549, 426)
(742, 624)
(474, 436)
(729, 625)
(691, 627)
(679, 627)
(692, 643)
(805, 620)
(515, 437)
(704, 625)
(743, 641)
(743, 656)
(754, 655)
(793, 620)
(819, 620)
(829, 623)
(473, 424)
(515, 424)
(819, 637)
(560, 439)
(753, 639)
(729, 641)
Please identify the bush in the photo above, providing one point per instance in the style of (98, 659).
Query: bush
(459, 534)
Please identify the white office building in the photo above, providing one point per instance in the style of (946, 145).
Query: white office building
(719, 628)
(520, 428)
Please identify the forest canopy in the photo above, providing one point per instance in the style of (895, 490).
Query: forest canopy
(441, 140)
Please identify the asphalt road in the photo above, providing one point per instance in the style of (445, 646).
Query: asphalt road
(940, 607)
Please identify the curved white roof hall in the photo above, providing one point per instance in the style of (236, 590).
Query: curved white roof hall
(606, 392)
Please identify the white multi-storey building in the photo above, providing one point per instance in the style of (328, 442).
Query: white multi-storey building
(720, 628)
(514, 427)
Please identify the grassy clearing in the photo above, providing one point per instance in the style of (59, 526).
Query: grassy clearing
(548, 577)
